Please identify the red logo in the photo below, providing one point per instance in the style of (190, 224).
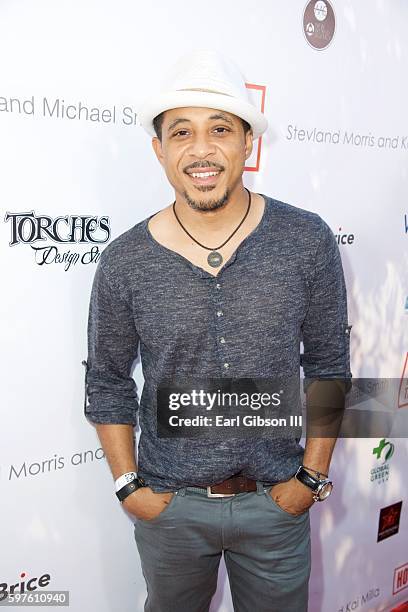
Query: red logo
(400, 578)
(256, 94)
(389, 521)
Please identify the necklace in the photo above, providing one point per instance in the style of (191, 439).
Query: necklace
(215, 258)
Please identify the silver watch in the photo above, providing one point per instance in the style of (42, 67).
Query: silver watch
(321, 487)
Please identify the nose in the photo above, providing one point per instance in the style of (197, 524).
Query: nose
(201, 146)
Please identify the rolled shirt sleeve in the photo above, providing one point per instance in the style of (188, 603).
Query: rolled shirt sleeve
(325, 329)
(113, 345)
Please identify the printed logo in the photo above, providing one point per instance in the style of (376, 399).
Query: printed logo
(23, 585)
(384, 451)
(387, 447)
(400, 579)
(388, 524)
(319, 23)
(28, 228)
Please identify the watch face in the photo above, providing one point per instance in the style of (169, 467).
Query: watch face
(325, 490)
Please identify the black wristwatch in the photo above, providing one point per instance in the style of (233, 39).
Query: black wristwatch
(129, 488)
(321, 487)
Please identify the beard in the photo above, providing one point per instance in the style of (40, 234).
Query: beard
(209, 204)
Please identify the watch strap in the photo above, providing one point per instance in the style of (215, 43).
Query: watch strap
(307, 479)
(129, 488)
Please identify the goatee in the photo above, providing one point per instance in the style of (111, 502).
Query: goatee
(205, 205)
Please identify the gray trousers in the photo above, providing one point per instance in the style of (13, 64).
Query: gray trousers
(266, 553)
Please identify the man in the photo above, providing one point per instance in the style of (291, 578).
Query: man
(221, 283)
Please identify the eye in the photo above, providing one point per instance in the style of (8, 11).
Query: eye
(223, 128)
(179, 132)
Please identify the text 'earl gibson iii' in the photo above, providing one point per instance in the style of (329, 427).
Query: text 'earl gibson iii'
(236, 421)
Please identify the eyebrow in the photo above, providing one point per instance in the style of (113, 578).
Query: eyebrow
(215, 117)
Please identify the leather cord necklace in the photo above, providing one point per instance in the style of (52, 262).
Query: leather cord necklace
(214, 258)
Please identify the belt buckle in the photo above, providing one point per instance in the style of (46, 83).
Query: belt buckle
(211, 494)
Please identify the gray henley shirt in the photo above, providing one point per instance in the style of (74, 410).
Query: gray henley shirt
(284, 284)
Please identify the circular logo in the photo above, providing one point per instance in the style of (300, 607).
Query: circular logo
(319, 23)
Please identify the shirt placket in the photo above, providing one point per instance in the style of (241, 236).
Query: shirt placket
(220, 326)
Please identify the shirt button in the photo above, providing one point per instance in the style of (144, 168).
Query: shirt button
(219, 313)
(222, 339)
(218, 285)
(226, 365)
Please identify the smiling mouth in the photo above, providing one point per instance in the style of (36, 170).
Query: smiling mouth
(204, 178)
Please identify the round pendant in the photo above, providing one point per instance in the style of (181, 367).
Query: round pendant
(214, 259)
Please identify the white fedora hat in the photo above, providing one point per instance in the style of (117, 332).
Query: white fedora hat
(205, 78)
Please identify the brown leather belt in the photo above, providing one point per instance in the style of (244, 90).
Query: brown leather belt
(230, 486)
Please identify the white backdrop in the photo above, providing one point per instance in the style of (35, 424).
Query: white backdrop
(59, 515)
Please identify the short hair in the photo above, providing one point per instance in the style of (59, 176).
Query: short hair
(158, 124)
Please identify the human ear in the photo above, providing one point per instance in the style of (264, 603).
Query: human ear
(157, 147)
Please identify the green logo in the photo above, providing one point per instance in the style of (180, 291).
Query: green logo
(383, 445)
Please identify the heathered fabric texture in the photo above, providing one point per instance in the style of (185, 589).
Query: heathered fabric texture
(283, 284)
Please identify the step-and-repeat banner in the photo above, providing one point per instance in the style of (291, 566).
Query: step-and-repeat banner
(77, 170)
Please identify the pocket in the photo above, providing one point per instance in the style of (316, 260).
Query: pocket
(281, 510)
(165, 511)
